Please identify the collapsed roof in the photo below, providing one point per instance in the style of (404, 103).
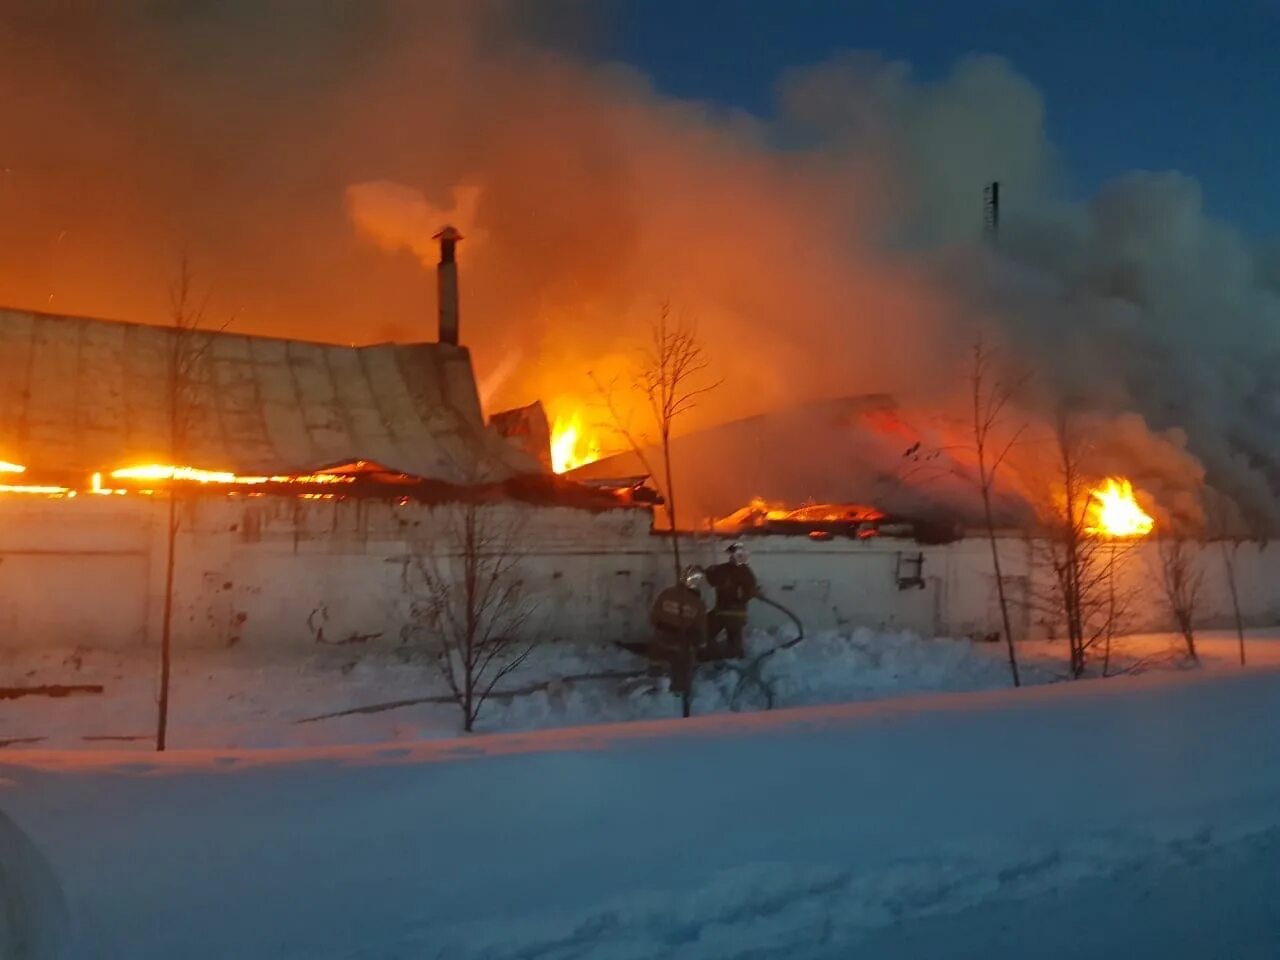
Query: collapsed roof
(858, 449)
(85, 394)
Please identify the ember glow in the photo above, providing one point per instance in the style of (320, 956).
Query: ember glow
(95, 486)
(1114, 512)
(155, 471)
(573, 443)
(37, 489)
(759, 512)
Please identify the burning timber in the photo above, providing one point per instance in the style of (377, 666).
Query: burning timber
(83, 406)
(825, 521)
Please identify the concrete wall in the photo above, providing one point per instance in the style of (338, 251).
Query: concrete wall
(266, 575)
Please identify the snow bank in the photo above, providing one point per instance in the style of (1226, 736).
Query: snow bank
(785, 834)
(33, 916)
(235, 700)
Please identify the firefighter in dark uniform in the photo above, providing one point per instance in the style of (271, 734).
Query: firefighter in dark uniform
(735, 586)
(679, 619)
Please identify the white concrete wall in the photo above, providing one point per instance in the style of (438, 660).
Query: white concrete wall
(268, 575)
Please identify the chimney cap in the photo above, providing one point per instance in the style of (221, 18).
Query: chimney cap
(448, 233)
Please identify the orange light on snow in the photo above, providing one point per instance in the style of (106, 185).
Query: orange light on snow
(1114, 512)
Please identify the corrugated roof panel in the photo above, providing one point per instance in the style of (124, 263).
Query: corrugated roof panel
(84, 394)
(234, 394)
(53, 388)
(326, 428)
(144, 377)
(355, 396)
(15, 359)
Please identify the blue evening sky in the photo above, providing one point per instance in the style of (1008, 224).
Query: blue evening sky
(1191, 85)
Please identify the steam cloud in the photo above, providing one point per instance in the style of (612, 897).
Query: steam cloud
(829, 250)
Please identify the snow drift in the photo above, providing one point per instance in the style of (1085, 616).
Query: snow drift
(33, 914)
(789, 834)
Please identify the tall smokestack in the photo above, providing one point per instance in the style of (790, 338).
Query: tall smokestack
(447, 284)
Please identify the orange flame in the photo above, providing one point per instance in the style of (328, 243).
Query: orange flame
(156, 471)
(38, 489)
(573, 444)
(1114, 512)
(759, 511)
(95, 486)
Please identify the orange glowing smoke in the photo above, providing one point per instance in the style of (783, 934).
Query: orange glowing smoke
(573, 443)
(1114, 512)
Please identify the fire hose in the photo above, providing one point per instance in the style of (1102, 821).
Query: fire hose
(749, 673)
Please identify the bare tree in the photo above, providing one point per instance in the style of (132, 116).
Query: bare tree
(1181, 581)
(1230, 548)
(669, 377)
(1225, 528)
(992, 442)
(468, 603)
(186, 357)
(1083, 561)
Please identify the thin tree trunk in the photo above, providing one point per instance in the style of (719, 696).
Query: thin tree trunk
(166, 627)
(1229, 561)
(1189, 635)
(1004, 604)
(1071, 598)
(471, 560)
(671, 502)
(1111, 610)
(468, 687)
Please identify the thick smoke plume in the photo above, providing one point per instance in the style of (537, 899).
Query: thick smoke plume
(303, 154)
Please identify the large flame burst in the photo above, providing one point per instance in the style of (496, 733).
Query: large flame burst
(573, 443)
(1114, 512)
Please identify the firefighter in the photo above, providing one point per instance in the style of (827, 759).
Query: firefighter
(735, 585)
(679, 619)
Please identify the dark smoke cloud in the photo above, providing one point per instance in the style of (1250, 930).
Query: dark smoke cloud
(302, 153)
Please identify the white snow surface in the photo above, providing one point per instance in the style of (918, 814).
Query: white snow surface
(246, 699)
(995, 824)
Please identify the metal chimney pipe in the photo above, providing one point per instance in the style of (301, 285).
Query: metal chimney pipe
(991, 210)
(447, 284)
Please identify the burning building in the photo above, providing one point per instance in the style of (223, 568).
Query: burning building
(305, 477)
(283, 461)
(81, 396)
(850, 463)
(96, 406)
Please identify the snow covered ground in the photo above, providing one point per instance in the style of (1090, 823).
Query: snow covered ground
(239, 699)
(1137, 816)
